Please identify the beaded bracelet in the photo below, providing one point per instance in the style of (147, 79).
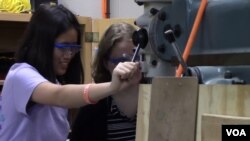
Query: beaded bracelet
(86, 95)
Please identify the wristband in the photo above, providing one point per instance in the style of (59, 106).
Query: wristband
(86, 95)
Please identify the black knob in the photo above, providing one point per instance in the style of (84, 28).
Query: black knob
(139, 3)
(154, 62)
(154, 11)
(140, 37)
(169, 35)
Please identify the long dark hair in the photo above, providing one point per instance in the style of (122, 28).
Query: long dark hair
(37, 47)
(114, 34)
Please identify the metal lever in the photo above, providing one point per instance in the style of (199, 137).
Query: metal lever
(136, 53)
(169, 35)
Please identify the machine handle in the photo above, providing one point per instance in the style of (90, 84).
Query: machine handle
(192, 35)
(169, 35)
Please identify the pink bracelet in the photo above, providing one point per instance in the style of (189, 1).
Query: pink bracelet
(86, 95)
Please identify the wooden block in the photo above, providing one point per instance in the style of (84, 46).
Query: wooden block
(233, 100)
(169, 112)
(143, 112)
(230, 100)
(212, 125)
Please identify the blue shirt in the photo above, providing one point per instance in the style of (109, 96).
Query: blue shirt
(36, 123)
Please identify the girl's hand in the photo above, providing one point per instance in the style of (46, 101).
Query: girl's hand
(124, 75)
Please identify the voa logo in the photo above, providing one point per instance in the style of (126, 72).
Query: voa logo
(236, 132)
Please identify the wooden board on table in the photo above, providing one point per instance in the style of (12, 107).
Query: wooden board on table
(168, 109)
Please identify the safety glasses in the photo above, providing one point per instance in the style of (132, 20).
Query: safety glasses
(125, 58)
(68, 48)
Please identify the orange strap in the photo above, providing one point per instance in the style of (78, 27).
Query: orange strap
(86, 95)
(192, 35)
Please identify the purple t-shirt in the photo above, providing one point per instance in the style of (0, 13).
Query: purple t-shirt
(29, 123)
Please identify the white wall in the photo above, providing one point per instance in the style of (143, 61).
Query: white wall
(89, 8)
(93, 8)
(125, 9)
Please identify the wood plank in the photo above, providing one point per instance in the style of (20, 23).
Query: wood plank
(212, 123)
(22, 17)
(87, 50)
(172, 110)
(223, 100)
(143, 112)
(232, 100)
(4, 16)
(84, 20)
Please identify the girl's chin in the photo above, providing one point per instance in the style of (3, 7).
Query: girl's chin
(61, 72)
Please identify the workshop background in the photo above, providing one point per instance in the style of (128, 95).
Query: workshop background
(218, 91)
(93, 8)
(15, 15)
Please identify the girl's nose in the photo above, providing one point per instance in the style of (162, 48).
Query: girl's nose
(68, 53)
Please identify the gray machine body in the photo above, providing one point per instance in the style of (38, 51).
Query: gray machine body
(222, 42)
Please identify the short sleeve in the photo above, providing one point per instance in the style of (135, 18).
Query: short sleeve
(24, 81)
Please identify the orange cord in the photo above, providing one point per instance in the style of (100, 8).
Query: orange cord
(192, 35)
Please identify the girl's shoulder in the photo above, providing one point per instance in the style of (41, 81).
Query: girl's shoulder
(23, 72)
(18, 66)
